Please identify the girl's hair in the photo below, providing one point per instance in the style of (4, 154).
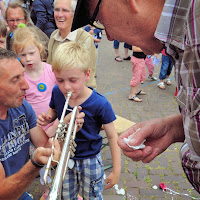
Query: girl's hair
(70, 55)
(3, 29)
(24, 36)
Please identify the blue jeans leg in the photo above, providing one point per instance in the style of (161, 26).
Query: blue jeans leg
(166, 67)
(116, 44)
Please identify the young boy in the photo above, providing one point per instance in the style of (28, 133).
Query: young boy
(3, 32)
(70, 65)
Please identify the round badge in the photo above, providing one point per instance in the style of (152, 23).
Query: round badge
(41, 87)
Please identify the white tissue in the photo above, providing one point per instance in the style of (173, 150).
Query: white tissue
(141, 146)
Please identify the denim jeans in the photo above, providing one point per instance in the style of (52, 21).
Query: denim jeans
(116, 45)
(166, 67)
(25, 196)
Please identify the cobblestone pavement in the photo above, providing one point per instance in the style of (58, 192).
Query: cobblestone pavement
(137, 179)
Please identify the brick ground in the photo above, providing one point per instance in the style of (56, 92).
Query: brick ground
(137, 179)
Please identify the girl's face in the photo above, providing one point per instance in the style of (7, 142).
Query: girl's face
(30, 57)
(72, 81)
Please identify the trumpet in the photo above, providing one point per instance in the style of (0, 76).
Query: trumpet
(67, 151)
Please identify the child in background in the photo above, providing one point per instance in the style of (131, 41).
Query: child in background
(165, 70)
(70, 65)
(38, 74)
(3, 32)
(139, 74)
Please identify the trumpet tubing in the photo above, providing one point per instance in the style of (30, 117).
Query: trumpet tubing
(67, 133)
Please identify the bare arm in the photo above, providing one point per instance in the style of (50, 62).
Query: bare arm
(113, 178)
(15, 185)
(136, 49)
(3, 8)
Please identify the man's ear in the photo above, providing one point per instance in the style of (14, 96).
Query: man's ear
(87, 76)
(134, 5)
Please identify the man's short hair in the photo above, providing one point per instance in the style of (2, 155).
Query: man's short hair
(3, 29)
(16, 5)
(71, 55)
(7, 54)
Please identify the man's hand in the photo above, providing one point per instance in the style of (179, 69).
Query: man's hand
(42, 154)
(159, 134)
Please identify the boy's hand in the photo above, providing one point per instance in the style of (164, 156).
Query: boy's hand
(43, 119)
(111, 180)
(79, 118)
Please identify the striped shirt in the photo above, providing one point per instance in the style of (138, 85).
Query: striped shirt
(179, 29)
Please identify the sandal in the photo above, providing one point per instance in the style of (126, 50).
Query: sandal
(141, 93)
(135, 98)
(161, 85)
(118, 59)
(168, 82)
(128, 58)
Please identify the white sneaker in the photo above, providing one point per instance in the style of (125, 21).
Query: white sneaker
(152, 78)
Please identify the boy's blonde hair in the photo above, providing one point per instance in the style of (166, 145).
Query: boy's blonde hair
(24, 36)
(71, 55)
(3, 29)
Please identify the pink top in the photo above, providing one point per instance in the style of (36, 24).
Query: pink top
(163, 52)
(39, 92)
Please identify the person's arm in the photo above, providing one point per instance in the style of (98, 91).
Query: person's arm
(96, 40)
(136, 49)
(112, 136)
(3, 8)
(159, 134)
(12, 187)
(41, 14)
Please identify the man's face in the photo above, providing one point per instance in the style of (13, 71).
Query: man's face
(123, 24)
(63, 14)
(14, 17)
(12, 84)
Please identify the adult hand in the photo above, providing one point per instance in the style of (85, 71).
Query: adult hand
(159, 134)
(42, 154)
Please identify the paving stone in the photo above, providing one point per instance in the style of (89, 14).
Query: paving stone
(151, 193)
(137, 184)
(142, 173)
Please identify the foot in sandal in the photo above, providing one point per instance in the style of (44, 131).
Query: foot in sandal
(135, 98)
(161, 85)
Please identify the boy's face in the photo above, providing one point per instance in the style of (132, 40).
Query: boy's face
(2, 42)
(72, 80)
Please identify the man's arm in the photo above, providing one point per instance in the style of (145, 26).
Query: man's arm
(41, 14)
(14, 186)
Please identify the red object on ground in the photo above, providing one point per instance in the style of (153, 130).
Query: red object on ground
(163, 186)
